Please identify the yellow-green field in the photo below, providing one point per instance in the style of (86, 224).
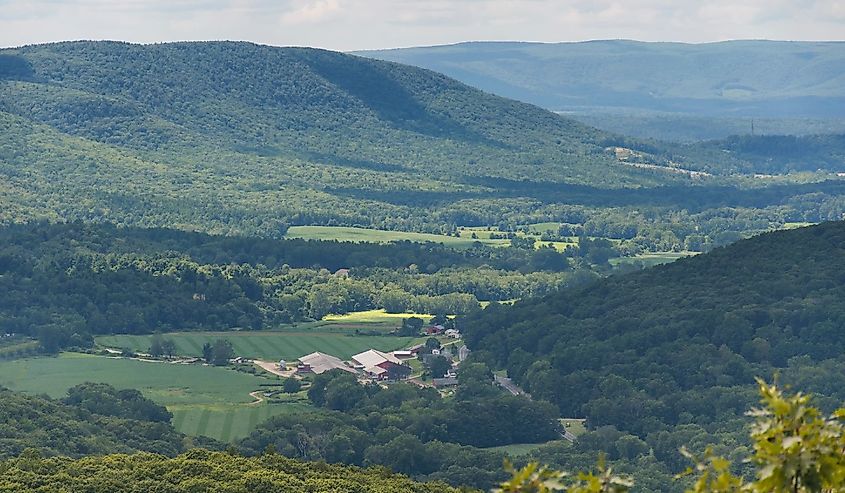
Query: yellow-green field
(374, 317)
(204, 400)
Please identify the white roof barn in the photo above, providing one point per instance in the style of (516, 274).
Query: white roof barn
(320, 362)
(376, 363)
(374, 357)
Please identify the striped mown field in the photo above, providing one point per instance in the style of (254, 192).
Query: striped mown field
(267, 345)
(209, 401)
(227, 423)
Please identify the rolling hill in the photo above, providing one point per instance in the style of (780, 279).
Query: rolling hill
(232, 137)
(242, 139)
(747, 78)
(672, 351)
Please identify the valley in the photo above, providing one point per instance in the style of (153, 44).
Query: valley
(228, 266)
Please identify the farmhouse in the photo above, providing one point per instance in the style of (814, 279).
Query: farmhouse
(453, 333)
(434, 330)
(379, 365)
(318, 363)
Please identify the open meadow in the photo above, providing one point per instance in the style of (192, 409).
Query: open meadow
(266, 345)
(342, 233)
(464, 240)
(204, 400)
(338, 335)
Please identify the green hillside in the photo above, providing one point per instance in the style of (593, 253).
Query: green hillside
(669, 354)
(733, 78)
(236, 137)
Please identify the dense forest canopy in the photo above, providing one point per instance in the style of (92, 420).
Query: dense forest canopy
(64, 283)
(669, 354)
(199, 470)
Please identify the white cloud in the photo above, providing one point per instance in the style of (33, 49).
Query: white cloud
(312, 12)
(359, 24)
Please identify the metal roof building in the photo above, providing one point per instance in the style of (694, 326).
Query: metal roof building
(320, 362)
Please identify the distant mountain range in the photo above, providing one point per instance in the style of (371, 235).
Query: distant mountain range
(732, 78)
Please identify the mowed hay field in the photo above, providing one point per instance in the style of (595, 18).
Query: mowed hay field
(342, 233)
(209, 401)
(266, 345)
(465, 240)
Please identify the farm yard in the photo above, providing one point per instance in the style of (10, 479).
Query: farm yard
(208, 401)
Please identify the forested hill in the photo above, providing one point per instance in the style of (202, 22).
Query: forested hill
(236, 137)
(655, 351)
(762, 78)
(91, 419)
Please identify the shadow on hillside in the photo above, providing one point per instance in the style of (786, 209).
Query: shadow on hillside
(376, 87)
(692, 198)
(13, 67)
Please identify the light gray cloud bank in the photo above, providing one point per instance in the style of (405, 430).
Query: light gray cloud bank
(364, 24)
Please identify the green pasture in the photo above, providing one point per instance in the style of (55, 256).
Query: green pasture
(266, 345)
(465, 240)
(342, 233)
(204, 400)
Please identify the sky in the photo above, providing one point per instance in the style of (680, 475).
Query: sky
(347, 25)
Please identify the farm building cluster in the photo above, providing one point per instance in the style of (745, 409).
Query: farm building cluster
(372, 364)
